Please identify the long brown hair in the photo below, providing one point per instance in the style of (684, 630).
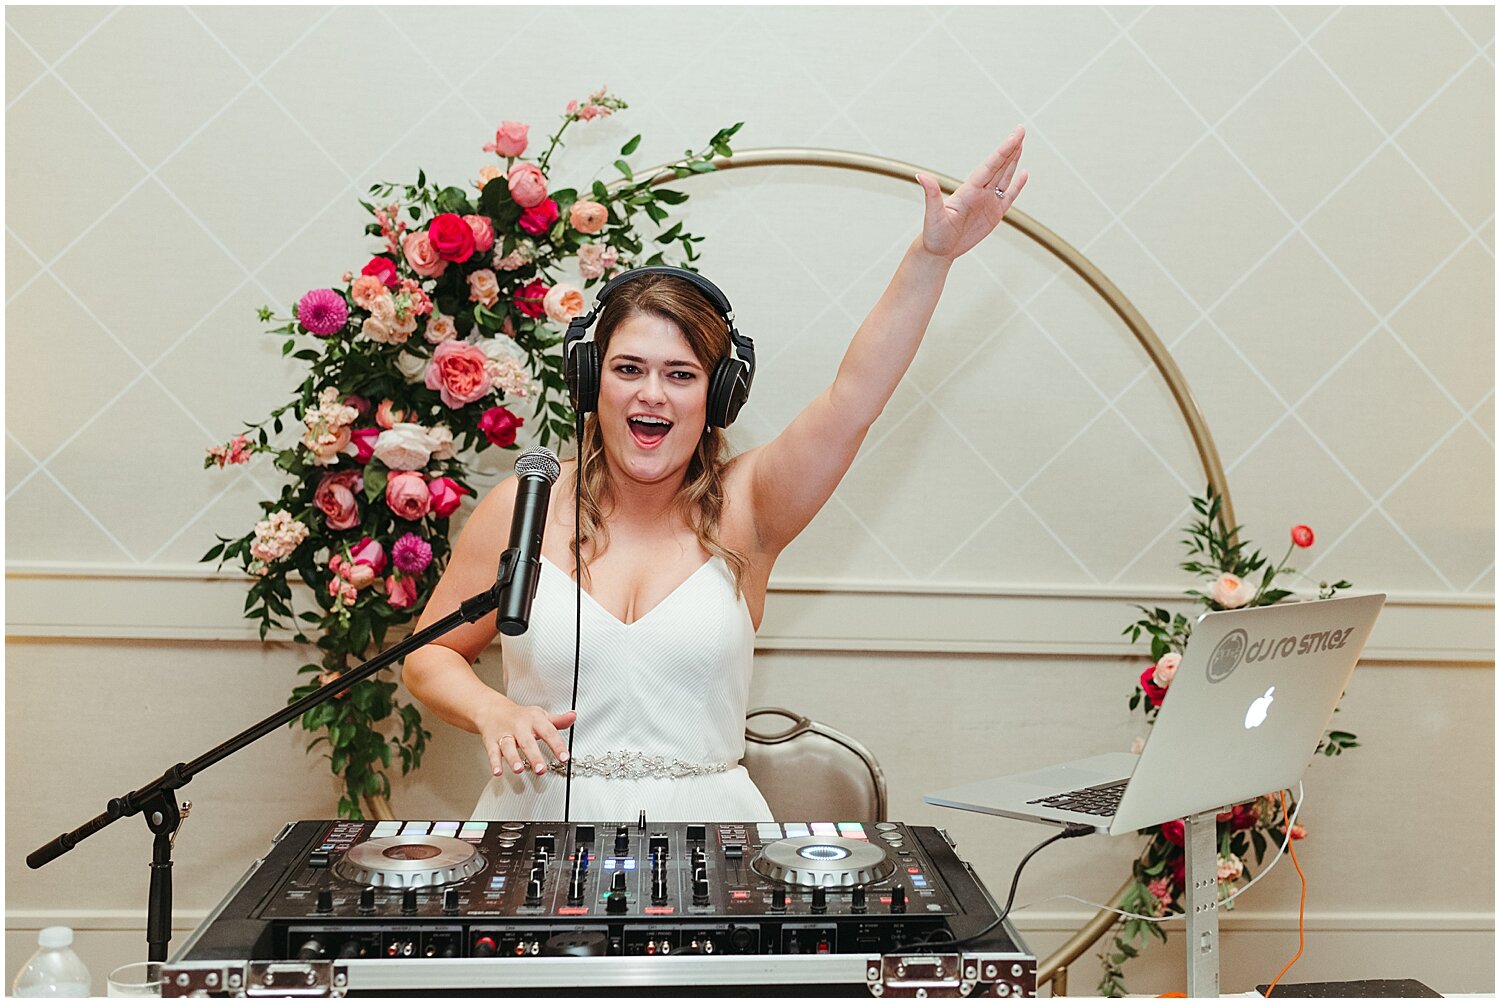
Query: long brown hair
(701, 498)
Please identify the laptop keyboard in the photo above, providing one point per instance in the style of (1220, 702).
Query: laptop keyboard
(1100, 800)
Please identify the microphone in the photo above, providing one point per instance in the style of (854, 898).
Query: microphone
(521, 565)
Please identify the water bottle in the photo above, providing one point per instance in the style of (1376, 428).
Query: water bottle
(54, 970)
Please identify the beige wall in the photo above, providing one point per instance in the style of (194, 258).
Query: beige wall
(1300, 202)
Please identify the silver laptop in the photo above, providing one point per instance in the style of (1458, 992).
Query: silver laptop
(1242, 717)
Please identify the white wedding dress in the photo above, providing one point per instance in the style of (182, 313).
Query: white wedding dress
(661, 706)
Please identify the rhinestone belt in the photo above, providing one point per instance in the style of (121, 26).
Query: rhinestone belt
(637, 766)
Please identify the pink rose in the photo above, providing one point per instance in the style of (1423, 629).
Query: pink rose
(401, 592)
(1302, 536)
(587, 216)
(335, 498)
(459, 372)
(369, 290)
(528, 185)
(499, 426)
(440, 328)
(1231, 591)
(595, 259)
(483, 288)
(483, 230)
(406, 494)
(422, 256)
(451, 237)
(382, 268)
(368, 551)
(1161, 890)
(446, 495)
(388, 415)
(510, 139)
(528, 299)
(1166, 668)
(563, 302)
(364, 443)
(539, 219)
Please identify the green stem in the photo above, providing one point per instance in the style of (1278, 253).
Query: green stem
(1274, 572)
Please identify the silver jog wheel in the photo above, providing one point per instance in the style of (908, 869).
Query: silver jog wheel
(823, 862)
(410, 862)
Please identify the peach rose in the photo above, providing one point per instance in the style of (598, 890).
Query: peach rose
(440, 328)
(388, 415)
(486, 175)
(406, 494)
(595, 259)
(326, 445)
(459, 372)
(1166, 668)
(1231, 591)
(422, 256)
(563, 302)
(587, 216)
(379, 330)
(484, 231)
(483, 287)
(528, 185)
(383, 307)
(367, 289)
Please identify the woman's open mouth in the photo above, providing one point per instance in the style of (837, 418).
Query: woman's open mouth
(648, 431)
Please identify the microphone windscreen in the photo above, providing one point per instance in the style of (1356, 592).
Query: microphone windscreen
(539, 461)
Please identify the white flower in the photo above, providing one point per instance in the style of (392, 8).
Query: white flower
(1230, 868)
(1231, 591)
(443, 436)
(405, 446)
(1166, 668)
(413, 367)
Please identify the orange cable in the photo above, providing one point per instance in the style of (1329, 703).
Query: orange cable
(1302, 905)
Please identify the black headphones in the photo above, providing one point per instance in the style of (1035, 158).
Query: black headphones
(728, 388)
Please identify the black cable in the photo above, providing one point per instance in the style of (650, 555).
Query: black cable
(577, 608)
(1069, 832)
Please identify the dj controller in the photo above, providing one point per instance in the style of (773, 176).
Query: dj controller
(340, 907)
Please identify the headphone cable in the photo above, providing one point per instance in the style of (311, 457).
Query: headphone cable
(577, 609)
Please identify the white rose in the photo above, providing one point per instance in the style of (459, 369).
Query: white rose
(405, 446)
(413, 367)
(443, 436)
(500, 349)
(1231, 591)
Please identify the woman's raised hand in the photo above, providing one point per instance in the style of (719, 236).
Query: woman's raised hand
(510, 735)
(954, 225)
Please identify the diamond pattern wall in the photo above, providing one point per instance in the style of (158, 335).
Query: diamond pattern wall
(1300, 200)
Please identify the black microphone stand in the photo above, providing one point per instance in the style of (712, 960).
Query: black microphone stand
(158, 798)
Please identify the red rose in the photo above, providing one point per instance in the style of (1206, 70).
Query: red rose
(1302, 536)
(1154, 693)
(1178, 866)
(499, 426)
(446, 495)
(528, 299)
(539, 219)
(1172, 831)
(451, 237)
(1244, 816)
(383, 268)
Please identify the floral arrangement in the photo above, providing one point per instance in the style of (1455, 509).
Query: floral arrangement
(1218, 556)
(416, 363)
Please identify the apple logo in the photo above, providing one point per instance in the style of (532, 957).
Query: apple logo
(1259, 708)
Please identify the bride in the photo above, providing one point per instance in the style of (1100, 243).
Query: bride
(677, 545)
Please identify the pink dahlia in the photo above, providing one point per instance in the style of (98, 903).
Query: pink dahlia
(411, 554)
(323, 312)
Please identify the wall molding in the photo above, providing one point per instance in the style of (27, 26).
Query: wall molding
(76, 601)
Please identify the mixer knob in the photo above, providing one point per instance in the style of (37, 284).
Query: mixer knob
(700, 858)
(778, 899)
(409, 902)
(538, 872)
(820, 900)
(450, 901)
(533, 892)
(484, 947)
(622, 840)
(857, 899)
(575, 889)
(367, 899)
(616, 903)
(325, 901)
(700, 886)
(898, 898)
(618, 884)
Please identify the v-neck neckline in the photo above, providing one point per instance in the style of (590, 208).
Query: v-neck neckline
(606, 611)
